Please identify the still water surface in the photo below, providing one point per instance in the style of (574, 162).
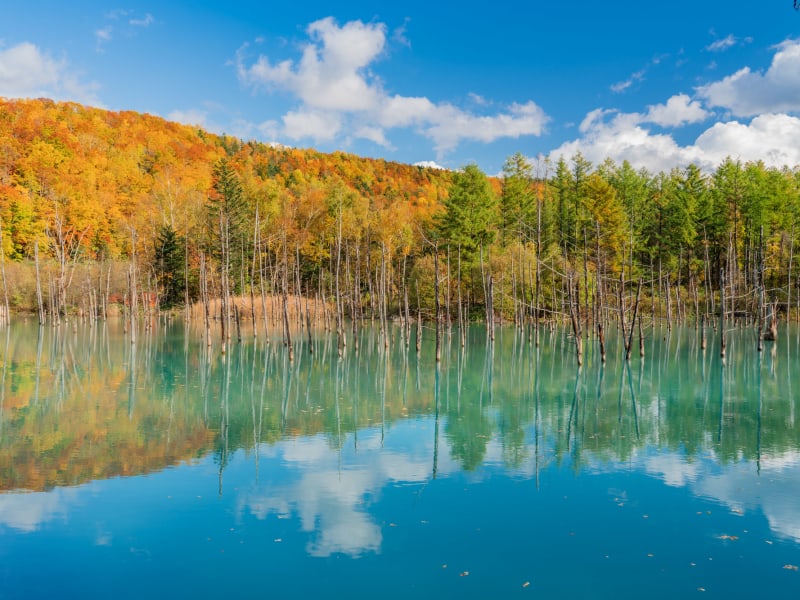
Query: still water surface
(163, 470)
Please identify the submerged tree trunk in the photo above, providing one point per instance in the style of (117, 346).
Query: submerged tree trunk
(437, 317)
(39, 301)
(5, 316)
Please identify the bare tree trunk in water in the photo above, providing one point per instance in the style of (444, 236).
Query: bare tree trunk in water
(436, 302)
(39, 301)
(287, 335)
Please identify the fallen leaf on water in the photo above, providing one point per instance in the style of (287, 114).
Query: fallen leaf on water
(791, 567)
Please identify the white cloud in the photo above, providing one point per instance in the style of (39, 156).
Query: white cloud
(747, 93)
(322, 126)
(624, 85)
(622, 136)
(729, 41)
(770, 135)
(340, 95)
(144, 22)
(771, 138)
(402, 111)
(373, 134)
(722, 44)
(679, 110)
(28, 72)
(191, 116)
(330, 74)
(450, 125)
(429, 164)
(621, 139)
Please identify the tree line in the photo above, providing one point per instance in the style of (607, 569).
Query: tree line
(160, 215)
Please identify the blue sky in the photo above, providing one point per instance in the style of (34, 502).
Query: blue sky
(659, 84)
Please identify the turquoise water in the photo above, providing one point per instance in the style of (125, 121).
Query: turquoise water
(164, 470)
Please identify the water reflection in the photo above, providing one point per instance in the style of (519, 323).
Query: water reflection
(28, 512)
(85, 406)
(774, 493)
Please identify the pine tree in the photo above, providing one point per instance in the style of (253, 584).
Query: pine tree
(169, 264)
(470, 212)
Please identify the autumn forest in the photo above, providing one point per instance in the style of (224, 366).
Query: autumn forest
(107, 211)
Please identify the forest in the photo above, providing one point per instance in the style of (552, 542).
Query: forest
(104, 211)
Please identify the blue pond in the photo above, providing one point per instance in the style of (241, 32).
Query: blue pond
(163, 469)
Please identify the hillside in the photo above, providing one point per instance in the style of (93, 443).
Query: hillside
(108, 178)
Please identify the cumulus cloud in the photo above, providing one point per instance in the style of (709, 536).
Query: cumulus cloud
(339, 95)
(322, 126)
(755, 121)
(678, 110)
(330, 75)
(747, 93)
(28, 72)
(450, 125)
(770, 137)
(624, 136)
